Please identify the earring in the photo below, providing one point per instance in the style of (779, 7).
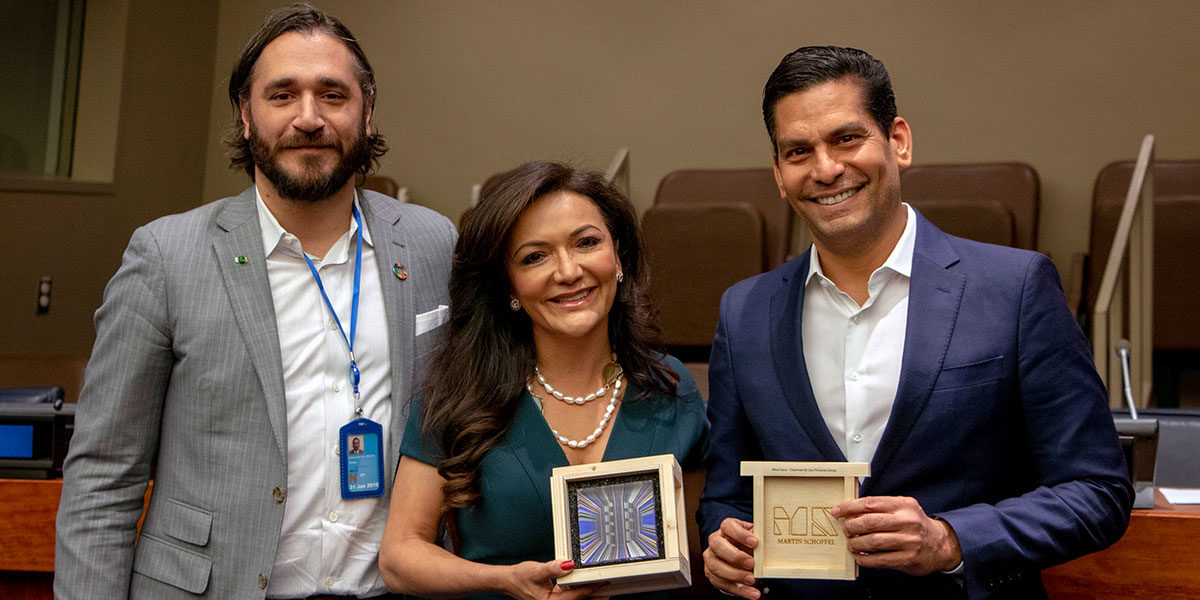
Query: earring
(515, 304)
(620, 277)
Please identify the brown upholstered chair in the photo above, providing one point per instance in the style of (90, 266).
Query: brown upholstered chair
(988, 202)
(708, 229)
(696, 251)
(1176, 247)
(724, 186)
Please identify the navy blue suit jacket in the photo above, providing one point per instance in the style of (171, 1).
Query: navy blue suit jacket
(1000, 424)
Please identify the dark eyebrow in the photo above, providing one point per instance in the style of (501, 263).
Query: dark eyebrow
(518, 249)
(331, 82)
(282, 82)
(851, 127)
(324, 80)
(843, 129)
(582, 229)
(573, 234)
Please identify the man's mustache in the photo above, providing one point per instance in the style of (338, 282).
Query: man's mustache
(307, 141)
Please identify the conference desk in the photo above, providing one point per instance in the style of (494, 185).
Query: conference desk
(1159, 556)
(28, 508)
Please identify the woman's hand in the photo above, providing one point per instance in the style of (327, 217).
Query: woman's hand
(535, 581)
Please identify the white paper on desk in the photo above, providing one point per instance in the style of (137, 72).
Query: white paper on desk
(1181, 495)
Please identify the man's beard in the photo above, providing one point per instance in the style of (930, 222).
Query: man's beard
(311, 185)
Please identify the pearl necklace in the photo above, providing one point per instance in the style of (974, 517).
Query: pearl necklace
(612, 405)
(612, 372)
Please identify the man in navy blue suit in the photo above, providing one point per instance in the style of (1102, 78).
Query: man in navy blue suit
(953, 367)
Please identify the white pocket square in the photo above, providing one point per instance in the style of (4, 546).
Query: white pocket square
(427, 321)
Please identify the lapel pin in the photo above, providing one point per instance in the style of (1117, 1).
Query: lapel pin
(400, 271)
(241, 260)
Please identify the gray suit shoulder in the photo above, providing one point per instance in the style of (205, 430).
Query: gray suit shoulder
(198, 224)
(424, 223)
(414, 213)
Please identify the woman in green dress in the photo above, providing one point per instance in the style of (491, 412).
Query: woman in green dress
(551, 360)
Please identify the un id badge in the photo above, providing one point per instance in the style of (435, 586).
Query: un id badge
(361, 459)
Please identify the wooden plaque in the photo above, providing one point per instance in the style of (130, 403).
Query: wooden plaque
(622, 522)
(798, 538)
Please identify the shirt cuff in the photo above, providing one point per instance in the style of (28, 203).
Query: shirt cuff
(956, 570)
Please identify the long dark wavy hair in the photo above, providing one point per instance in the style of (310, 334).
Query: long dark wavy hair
(475, 382)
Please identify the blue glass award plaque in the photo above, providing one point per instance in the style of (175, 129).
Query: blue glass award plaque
(615, 520)
(622, 522)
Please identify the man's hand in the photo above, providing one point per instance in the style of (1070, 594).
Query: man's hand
(893, 532)
(729, 560)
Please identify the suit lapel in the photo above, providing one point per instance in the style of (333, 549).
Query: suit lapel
(934, 295)
(787, 351)
(383, 221)
(250, 300)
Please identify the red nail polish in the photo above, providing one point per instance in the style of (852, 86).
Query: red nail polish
(567, 565)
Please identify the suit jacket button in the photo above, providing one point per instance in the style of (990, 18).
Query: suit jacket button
(278, 494)
(262, 579)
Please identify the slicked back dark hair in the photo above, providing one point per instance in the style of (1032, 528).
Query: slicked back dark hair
(301, 18)
(814, 65)
(477, 378)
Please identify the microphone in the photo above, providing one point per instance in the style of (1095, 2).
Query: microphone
(1122, 348)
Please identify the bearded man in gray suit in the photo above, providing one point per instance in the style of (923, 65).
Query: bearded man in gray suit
(240, 346)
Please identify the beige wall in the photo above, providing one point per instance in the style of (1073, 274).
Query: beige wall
(100, 69)
(471, 88)
(75, 233)
(467, 89)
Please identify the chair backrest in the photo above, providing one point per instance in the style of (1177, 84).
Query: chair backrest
(755, 187)
(60, 370)
(988, 202)
(696, 251)
(980, 220)
(1176, 244)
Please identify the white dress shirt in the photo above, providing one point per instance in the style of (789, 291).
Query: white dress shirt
(853, 352)
(328, 545)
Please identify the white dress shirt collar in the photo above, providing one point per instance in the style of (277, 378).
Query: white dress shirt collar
(273, 232)
(899, 261)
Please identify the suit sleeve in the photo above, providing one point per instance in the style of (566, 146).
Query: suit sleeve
(1082, 497)
(731, 438)
(116, 430)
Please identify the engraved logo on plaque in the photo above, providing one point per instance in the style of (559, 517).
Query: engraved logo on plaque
(804, 522)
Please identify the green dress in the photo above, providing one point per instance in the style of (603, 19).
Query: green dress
(512, 522)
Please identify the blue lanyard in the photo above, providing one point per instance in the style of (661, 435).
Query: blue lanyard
(354, 374)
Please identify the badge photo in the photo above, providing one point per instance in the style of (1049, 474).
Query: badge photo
(361, 459)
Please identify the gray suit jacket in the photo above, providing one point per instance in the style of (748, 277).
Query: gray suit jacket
(186, 374)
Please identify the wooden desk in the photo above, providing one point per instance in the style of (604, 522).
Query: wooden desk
(28, 509)
(1159, 558)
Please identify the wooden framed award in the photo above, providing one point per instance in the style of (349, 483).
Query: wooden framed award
(622, 522)
(797, 534)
